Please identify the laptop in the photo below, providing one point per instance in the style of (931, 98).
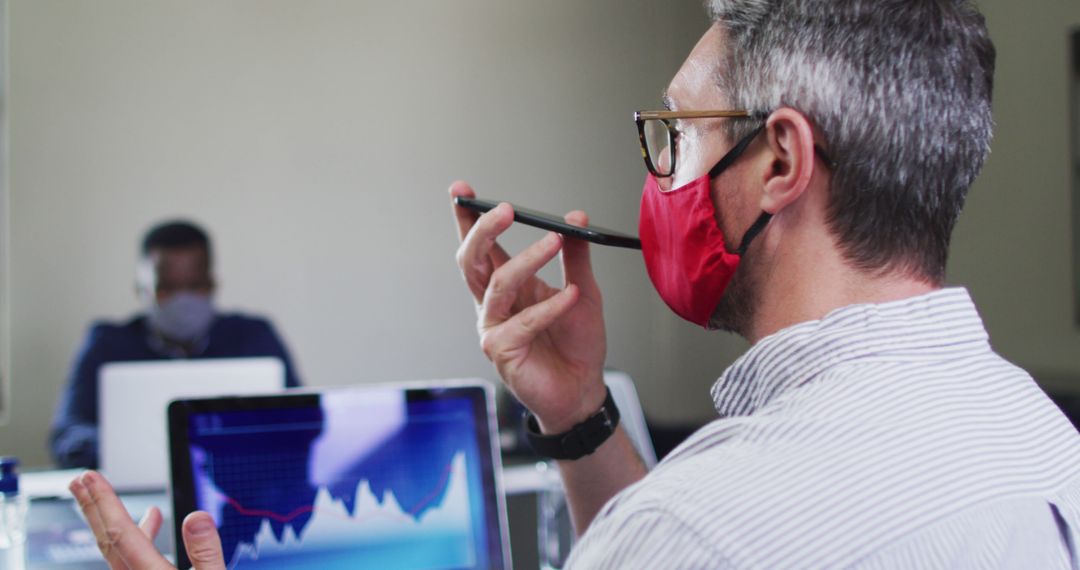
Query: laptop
(132, 399)
(380, 476)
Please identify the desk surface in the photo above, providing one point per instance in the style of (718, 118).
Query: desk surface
(59, 539)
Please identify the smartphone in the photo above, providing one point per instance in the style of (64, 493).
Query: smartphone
(556, 224)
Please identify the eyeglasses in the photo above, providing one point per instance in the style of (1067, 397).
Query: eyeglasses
(659, 137)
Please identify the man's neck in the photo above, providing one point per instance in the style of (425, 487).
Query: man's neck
(807, 286)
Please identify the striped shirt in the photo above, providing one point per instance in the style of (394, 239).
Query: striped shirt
(882, 436)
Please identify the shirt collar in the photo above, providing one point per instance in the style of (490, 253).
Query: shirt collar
(159, 346)
(793, 356)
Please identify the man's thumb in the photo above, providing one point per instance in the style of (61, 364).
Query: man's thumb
(202, 542)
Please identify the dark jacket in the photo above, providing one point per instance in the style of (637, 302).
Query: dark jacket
(74, 434)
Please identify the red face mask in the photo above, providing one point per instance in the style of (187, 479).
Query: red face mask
(685, 252)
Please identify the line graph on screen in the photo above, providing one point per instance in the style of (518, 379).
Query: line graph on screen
(434, 532)
(415, 510)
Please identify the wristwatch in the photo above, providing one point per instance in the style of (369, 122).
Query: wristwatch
(582, 439)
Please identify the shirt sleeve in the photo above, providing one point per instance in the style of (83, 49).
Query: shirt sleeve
(73, 438)
(646, 539)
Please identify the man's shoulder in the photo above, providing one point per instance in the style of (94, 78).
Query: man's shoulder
(105, 330)
(240, 334)
(243, 321)
(112, 341)
(821, 479)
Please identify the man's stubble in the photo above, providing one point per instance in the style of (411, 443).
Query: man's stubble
(738, 305)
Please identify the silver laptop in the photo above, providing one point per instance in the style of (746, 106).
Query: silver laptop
(133, 397)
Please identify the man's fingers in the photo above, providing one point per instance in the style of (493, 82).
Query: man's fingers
(151, 523)
(506, 281)
(465, 217)
(577, 265)
(479, 255)
(121, 542)
(520, 330)
(93, 518)
(202, 542)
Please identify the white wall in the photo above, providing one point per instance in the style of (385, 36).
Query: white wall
(5, 286)
(1013, 246)
(316, 140)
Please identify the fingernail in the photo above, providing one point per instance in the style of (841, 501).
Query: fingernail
(201, 526)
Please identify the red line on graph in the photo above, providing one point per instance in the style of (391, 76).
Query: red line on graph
(284, 518)
(268, 514)
(443, 482)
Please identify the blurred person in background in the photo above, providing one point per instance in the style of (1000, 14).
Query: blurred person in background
(178, 320)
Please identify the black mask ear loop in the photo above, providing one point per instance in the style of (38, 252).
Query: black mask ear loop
(763, 219)
(755, 229)
(723, 165)
(734, 153)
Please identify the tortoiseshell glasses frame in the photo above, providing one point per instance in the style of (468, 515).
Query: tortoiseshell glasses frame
(645, 118)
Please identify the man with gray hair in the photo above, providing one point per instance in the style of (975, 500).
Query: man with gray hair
(802, 187)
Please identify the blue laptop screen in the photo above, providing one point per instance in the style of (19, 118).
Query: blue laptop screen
(372, 478)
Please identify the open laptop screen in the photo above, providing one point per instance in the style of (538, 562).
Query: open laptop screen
(378, 477)
(133, 396)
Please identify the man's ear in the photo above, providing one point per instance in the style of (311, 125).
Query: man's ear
(790, 137)
(144, 279)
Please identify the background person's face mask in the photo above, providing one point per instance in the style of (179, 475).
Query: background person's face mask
(183, 317)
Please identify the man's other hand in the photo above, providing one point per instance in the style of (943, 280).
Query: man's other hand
(126, 545)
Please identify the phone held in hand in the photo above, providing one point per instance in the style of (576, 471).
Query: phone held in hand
(556, 224)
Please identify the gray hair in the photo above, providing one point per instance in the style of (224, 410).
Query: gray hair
(901, 90)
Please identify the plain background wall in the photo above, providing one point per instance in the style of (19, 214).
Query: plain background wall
(5, 285)
(316, 141)
(1013, 246)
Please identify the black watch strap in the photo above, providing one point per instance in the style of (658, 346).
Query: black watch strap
(582, 439)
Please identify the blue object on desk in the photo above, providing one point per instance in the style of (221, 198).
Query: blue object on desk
(9, 475)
